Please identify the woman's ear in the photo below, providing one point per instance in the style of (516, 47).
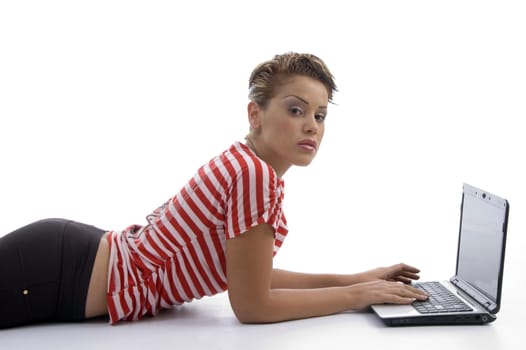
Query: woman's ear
(254, 115)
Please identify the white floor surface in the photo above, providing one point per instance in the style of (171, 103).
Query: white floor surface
(210, 324)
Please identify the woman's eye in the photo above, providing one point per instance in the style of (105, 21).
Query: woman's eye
(320, 117)
(296, 111)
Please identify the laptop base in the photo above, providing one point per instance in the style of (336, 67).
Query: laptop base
(466, 319)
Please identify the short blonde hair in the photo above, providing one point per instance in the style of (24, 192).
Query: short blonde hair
(268, 76)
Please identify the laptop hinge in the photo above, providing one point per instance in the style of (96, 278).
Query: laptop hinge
(473, 292)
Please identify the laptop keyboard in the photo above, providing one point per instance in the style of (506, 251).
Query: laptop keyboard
(440, 299)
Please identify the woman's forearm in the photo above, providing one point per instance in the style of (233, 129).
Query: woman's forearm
(299, 280)
(289, 304)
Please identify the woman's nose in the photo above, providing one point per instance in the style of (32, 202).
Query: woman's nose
(311, 125)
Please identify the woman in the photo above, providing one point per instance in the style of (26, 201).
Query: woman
(220, 232)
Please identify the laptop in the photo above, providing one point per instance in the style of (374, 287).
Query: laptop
(477, 283)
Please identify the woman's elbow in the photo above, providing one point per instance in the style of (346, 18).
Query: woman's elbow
(250, 312)
(247, 318)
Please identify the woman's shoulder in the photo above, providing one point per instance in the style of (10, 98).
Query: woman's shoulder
(244, 162)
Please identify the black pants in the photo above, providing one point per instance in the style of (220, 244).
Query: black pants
(45, 270)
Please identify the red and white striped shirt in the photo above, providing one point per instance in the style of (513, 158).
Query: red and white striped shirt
(180, 254)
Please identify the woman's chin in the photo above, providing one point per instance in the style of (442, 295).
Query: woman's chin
(304, 162)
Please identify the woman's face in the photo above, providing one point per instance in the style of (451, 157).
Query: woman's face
(290, 129)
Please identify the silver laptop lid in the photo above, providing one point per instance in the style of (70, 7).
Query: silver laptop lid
(481, 246)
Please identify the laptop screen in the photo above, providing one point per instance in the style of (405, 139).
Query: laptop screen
(482, 240)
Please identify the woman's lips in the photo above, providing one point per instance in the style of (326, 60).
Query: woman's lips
(308, 145)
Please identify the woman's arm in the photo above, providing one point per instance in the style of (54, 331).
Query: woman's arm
(289, 279)
(254, 300)
(299, 280)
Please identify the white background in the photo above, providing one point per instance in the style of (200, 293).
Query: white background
(108, 107)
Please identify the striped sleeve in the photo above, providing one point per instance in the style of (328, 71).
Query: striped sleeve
(253, 198)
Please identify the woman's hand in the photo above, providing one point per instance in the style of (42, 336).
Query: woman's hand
(395, 273)
(383, 292)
